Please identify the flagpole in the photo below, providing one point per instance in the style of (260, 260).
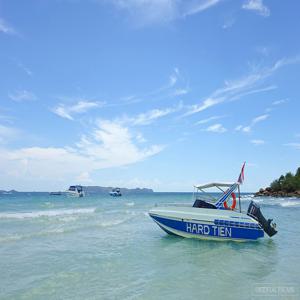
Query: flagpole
(240, 181)
(239, 198)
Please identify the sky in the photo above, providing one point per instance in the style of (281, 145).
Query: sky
(162, 94)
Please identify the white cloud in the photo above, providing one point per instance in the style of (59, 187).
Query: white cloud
(254, 121)
(228, 23)
(246, 129)
(263, 50)
(150, 116)
(195, 7)
(109, 145)
(112, 145)
(204, 121)
(257, 142)
(203, 106)
(218, 128)
(140, 138)
(268, 110)
(8, 133)
(6, 118)
(293, 145)
(279, 102)
(253, 91)
(276, 103)
(257, 6)
(22, 95)
(180, 92)
(236, 89)
(82, 106)
(284, 62)
(252, 165)
(37, 164)
(146, 12)
(170, 89)
(25, 69)
(62, 112)
(259, 119)
(173, 79)
(5, 28)
(84, 177)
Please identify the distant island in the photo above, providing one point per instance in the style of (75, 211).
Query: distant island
(94, 190)
(91, 190)
(284, 186)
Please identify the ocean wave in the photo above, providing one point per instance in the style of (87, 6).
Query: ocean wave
(64, 227)
(272, 201)
(290, 203)
(129, 204)
(11, 238)
(281, 202)
(113, 222)
(44, 233)
(247, 196)
(46, 213)
(129, 215)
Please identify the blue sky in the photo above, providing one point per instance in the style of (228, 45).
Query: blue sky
(151, 93)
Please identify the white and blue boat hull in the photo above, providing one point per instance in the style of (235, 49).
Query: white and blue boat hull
(207, 224)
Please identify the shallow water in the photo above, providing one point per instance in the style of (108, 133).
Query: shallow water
(54, 247)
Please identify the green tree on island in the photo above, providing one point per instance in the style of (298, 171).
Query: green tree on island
(288, 183)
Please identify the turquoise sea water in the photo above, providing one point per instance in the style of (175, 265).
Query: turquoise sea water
(54, 247)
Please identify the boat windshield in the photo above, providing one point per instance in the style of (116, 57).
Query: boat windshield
(207, 197)
(213, 195)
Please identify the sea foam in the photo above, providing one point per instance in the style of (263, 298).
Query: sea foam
(46, 213)
(288, 203)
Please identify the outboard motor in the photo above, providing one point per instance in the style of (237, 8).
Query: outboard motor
(267, 225)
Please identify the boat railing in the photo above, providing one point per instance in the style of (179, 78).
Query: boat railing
(252, 216)
(173, 204)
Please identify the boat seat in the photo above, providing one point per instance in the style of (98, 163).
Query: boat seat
(202, 204)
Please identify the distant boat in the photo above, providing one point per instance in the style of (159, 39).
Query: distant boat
(116, 192)
(75, 191)
(55, 193)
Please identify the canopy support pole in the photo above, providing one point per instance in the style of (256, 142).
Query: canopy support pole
(220, 189)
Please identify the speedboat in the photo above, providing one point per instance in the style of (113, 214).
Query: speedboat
(75, 191)
(116, 192)
(214, 216)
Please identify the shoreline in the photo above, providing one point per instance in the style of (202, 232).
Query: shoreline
(268, 192)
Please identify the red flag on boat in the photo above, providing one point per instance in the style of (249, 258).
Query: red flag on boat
(241, 177)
